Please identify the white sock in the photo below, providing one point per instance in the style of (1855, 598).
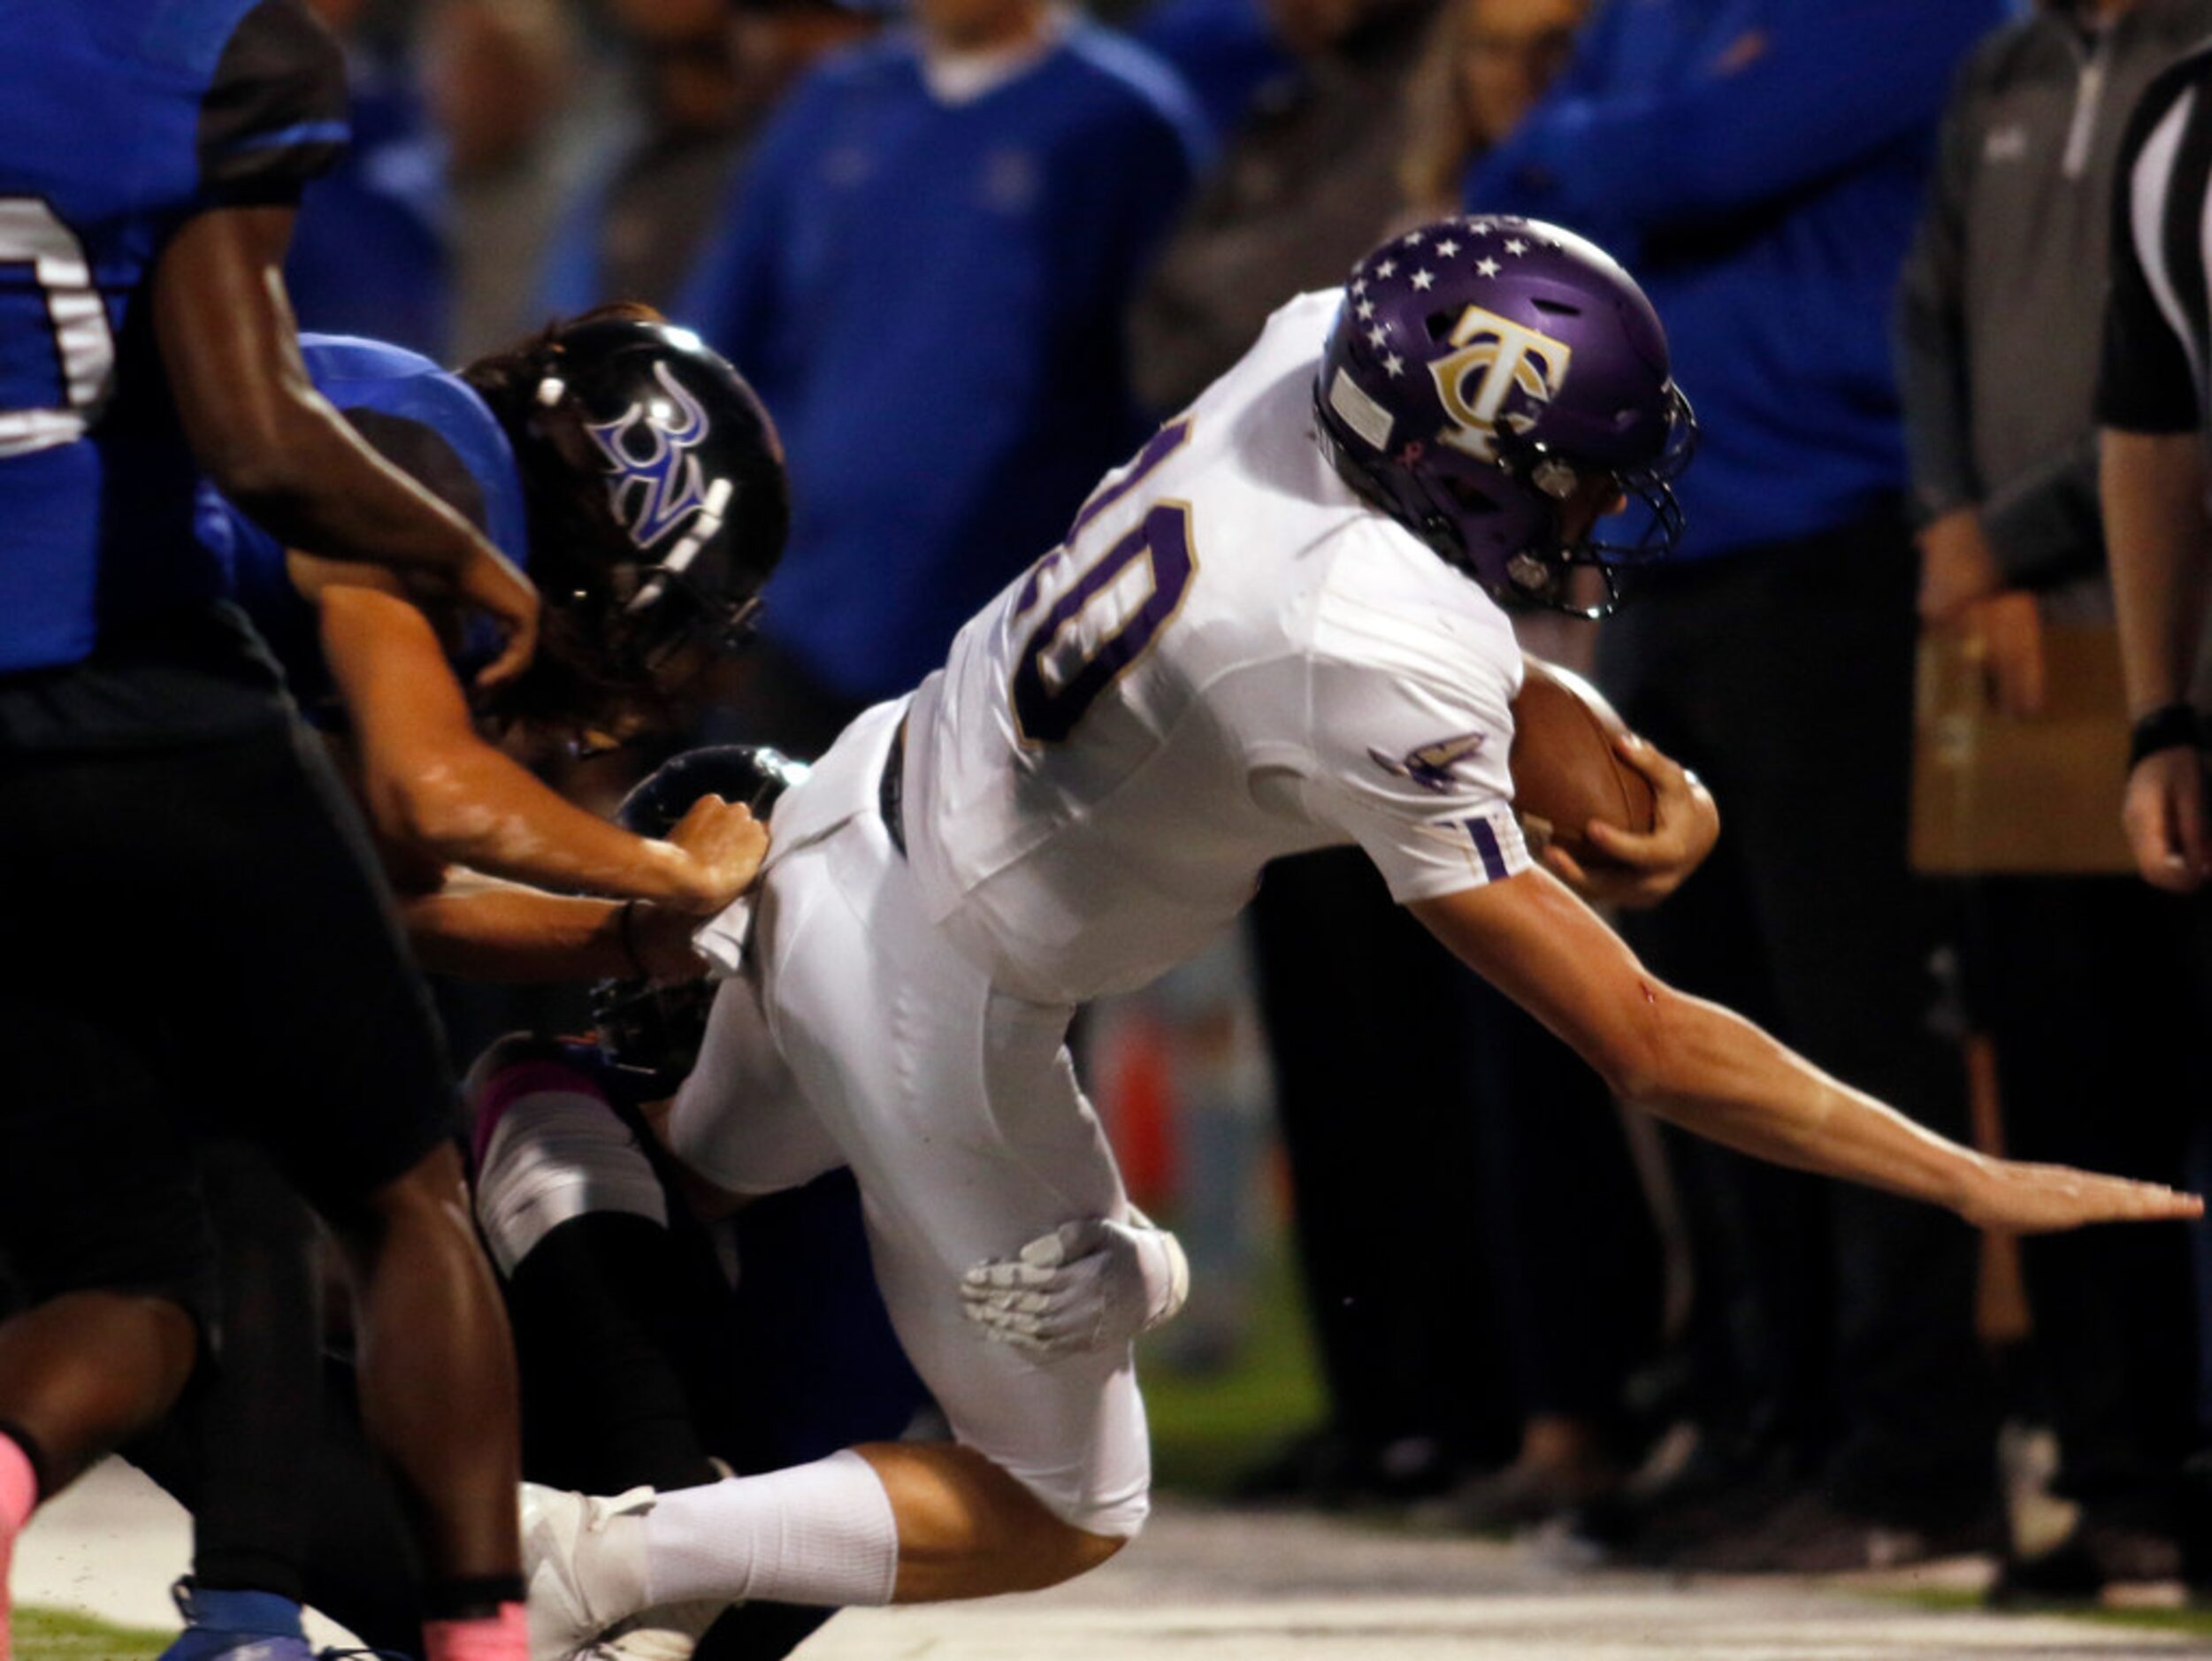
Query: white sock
(821, 1535)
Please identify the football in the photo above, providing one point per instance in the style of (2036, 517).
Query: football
(1565, 770)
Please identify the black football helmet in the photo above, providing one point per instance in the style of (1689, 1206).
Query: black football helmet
(658, 502)
(653, 1033)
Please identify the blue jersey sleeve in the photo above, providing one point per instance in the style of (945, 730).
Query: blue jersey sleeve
(428, 423)
(274, 113)
(123, 121)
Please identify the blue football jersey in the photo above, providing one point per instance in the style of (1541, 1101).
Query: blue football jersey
(428, 423)
(121, 121)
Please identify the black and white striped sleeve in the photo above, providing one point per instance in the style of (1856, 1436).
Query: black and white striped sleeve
(2156, 310)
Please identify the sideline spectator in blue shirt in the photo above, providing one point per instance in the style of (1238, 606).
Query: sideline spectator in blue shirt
(925, 274)
(1225, 49)
(707, 76)
(369, 253)
(1760, 163)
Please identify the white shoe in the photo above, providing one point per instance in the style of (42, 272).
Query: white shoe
(584, 1565)
(669, 1633)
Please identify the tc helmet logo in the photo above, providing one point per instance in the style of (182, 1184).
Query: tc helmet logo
(654, 490)
(1497, 356)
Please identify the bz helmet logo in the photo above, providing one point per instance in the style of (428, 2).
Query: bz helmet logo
(1500, 356)
(656, 482)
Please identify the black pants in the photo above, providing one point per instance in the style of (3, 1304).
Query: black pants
(2091, 990)
(1428, 1122)
(1784, 676)
(197, 944)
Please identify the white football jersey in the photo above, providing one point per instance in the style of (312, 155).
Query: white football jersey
(1231, 658)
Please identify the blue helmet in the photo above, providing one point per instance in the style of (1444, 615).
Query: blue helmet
(1484, 371)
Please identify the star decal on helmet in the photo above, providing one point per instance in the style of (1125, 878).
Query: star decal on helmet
(1377, 337)
(1387, 268)
(1447, 247)
(1424, 280)
(1514, 245)
(1488, 267)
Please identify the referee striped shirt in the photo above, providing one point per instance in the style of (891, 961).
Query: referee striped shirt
(2158, 316)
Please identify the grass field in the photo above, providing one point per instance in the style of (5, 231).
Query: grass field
(45, 1634)
(1208, 1429)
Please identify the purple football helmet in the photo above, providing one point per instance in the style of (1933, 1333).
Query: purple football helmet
(1490, 381)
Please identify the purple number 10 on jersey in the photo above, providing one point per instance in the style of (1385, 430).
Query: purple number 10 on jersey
(1107, 616)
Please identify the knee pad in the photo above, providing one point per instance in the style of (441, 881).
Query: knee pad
(549, 1149)
(503, 1055)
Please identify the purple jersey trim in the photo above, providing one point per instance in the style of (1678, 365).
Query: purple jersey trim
(1485, 845)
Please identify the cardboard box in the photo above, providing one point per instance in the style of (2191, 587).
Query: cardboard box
(1999, 794)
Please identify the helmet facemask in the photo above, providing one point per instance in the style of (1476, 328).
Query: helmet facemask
(1639, 502)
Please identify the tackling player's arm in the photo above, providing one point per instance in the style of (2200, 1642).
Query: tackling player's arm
(275, 446)
(1714, 1073)
(485, 930)
(431, 781)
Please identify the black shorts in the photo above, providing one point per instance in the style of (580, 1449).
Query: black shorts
(194, 942)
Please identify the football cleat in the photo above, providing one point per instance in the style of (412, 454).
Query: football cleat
(668, 1634)
(234, 1625)
(584, 1565)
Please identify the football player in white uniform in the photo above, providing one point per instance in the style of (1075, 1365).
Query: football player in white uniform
(1277, 628)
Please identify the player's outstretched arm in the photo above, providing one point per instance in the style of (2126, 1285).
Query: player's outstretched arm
(276, 448)
(1712, 1072)
(431, 783)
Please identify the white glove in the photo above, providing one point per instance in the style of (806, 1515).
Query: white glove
(1088, 1285)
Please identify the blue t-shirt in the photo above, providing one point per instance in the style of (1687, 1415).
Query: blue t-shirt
(1758, 166)
(369, 253)
(1226, 50)
(428, 423)
(121, 121)
(930, 297)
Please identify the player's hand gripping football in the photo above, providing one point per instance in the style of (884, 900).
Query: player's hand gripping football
(724, 844)
(1641, 869)
(2012, 1197)
(1091, 1284)
(2165, 815)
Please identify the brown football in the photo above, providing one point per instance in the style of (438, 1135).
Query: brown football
(1565, 770)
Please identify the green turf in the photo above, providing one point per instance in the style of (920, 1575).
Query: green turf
(2193, 1619)
(1209, 1428)
(48, 1635)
